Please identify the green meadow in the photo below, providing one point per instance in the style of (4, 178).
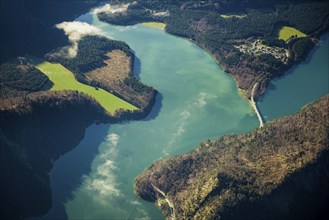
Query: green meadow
(287, 32)
(64, 79)
(232, 16)
(155, 24)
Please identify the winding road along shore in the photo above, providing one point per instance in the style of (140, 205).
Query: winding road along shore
(253, 103)
(172, 210)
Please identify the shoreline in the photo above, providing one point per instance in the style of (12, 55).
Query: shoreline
(242, 92)
(254, 105)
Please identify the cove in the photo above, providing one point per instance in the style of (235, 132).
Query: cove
(196, 101)
(299, 86)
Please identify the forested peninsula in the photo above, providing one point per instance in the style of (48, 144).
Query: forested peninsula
(279, 171)
(251, 40)
(38, 124)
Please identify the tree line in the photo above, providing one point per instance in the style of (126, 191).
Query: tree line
(16, 78)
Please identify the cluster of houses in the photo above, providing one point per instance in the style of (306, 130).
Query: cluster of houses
(257, 48)
(24, 61)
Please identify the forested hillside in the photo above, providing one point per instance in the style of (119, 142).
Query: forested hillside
(92, 55)
(279, 171)
(28, 26)
(19, 78)
(34, 131)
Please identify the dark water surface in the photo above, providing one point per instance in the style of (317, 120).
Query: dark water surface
(299, 86)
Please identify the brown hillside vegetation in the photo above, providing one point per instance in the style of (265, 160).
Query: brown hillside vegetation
(278, 171)
(117, 77)
(117, 68)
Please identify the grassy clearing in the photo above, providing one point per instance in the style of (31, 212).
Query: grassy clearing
(63, 79)
(232, 16)
(155, 25)
(287, 32)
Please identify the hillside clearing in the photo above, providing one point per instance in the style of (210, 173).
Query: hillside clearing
(233, 16)
(287, 32)
(64, 79)
(117, 68)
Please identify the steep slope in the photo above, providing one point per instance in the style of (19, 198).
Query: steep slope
(28, 26)
(278, 171)
(36, 127)
(34, 131)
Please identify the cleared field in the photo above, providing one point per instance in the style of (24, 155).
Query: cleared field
(155, 24)
(117, 76)
(231, 16)
(287, 32)
(64, 79)
(116, 70)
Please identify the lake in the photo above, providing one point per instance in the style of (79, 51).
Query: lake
(196, 101)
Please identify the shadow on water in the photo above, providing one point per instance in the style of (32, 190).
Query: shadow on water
(70, 168)
(137, 67)
(271, 87)
(156, 108)
(158, 99)
(88, 18)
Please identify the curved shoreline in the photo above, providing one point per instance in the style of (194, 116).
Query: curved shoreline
(172, 208)
(244, 76)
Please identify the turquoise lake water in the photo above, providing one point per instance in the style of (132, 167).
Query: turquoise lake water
(197, 101)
